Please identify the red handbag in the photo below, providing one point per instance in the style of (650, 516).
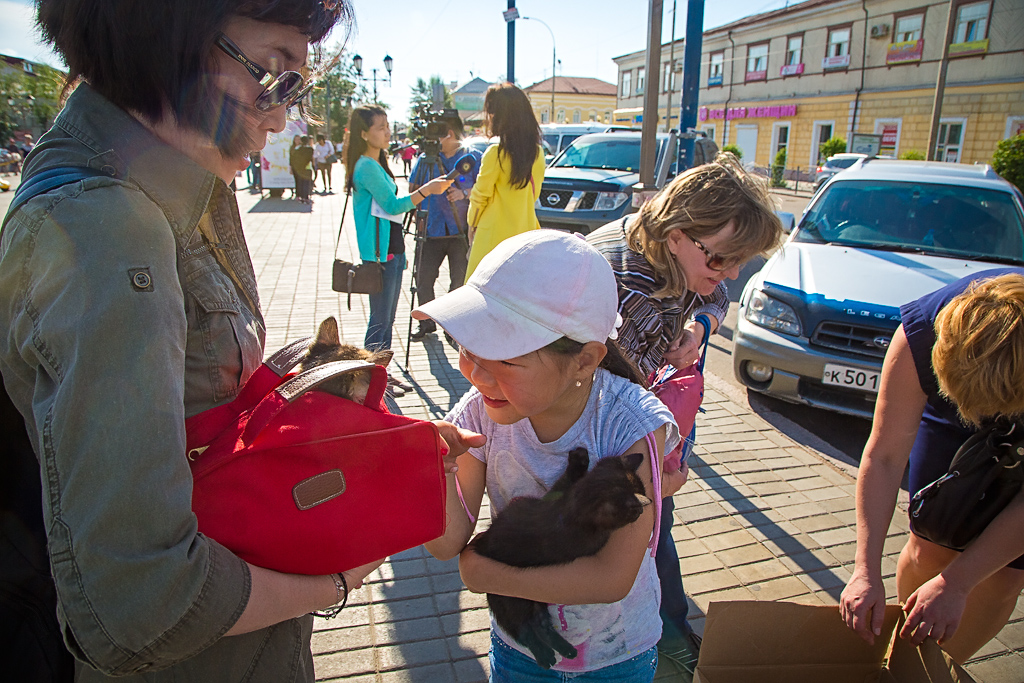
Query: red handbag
(301, 481)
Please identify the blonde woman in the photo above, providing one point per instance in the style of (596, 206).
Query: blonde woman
(956, 362)
(671, 261)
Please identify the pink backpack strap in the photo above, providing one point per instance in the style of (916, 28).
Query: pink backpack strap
(652, 446)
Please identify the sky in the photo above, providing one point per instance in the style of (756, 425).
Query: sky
(461, 39)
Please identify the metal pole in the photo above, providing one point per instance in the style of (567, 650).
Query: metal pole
(671, 76)
(649, 130)
(553, 62)
(329, 109)
(940, 84)
(691, 81)
(511, 68)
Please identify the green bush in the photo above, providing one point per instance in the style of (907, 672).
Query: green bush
(1008, 160)
(913, 155)
(830, 147)
(778, 177)
(734, 149)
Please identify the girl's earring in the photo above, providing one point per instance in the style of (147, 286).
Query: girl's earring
(579, 384)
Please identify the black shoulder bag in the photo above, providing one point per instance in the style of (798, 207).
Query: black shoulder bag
(985, 475)
(357, 278)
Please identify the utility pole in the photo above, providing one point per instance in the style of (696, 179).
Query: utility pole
(511, 68)
(691, 82)
(940, 84)
(649, 129)
(671, 75)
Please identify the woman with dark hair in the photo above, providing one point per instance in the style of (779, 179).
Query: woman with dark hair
(511, 172)
(301, 161)
(129, 303)
(374, 193)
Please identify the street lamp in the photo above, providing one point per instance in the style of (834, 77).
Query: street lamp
(357, 62)
(551, 118)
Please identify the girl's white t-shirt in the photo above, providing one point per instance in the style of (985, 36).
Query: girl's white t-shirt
(321, 152)
(618, 414)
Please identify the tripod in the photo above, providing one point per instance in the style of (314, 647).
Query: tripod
(432, 167)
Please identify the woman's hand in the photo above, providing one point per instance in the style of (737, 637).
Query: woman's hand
(934, 610)
(673, 481)
(355, 577)
(459, 441)
(436, 186)
(685, 351)
(862, 605)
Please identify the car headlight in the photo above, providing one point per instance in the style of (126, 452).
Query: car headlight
(767, 312)
(607, 201)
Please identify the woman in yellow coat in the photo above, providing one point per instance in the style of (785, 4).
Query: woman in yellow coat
(511, 173)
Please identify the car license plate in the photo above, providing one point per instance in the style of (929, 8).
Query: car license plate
(855, 378)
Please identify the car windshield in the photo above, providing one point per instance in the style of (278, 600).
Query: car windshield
(552, 141)
(620, 153)
(944, 220)
(841, 163)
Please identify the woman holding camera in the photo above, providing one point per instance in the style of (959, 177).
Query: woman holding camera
(370, 180)
(955, 364)
(511, 173)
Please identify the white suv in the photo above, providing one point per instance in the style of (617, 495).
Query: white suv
(815, 322)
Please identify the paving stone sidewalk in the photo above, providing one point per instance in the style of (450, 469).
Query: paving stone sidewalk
(762, 517)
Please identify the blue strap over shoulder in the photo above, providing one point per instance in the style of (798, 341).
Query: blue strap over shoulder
(46, 181)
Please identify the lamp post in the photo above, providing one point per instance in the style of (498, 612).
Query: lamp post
(554, 61)
(357, 62)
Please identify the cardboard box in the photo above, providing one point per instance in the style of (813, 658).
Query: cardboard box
(782, 642)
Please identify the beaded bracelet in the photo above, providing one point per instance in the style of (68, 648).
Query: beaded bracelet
(339, 585)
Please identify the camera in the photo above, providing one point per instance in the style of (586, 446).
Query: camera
(428, 129)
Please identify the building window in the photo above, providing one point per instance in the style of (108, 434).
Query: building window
(757, 62)
(837, 52)
(794, 50)
(781, 140)
(668, 77)
(1014, 127)
(971, 22)
(577, 116)
(544, 116)
(838, 42)
(709, 132)
(627, 81)
(560, 116)
(908, 27)
(715, 68)
(822, 134)
(950, 141)
(607, 116)
(889, 129)
(640, 75)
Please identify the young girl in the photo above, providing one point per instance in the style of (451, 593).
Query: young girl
(511, 173)
(534, 325)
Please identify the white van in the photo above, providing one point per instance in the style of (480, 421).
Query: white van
(558, 136)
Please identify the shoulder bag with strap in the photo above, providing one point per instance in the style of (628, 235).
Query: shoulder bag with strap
(985, 475)
(31, 644)
(357, 278)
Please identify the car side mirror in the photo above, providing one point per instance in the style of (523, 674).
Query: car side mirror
(788, 221)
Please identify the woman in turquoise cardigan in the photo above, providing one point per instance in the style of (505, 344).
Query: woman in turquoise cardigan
(369, 179)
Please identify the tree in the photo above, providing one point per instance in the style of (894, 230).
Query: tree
(29, 100)
(830, 147)
(1008, 160)
(734, 149)
(778, 170)
(422, 100)
(341, 83)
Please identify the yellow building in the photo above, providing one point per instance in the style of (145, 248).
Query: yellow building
(576, 100)
(794, 77)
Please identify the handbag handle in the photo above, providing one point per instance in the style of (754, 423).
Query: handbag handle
(285, 360)
(705, 321)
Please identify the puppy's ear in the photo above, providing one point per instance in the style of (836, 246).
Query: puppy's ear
(382, 357)
(327, 333)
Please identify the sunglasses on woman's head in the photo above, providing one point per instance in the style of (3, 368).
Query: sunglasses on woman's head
(285, 89)
(714, 261)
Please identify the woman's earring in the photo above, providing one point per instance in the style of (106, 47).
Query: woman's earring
(579, 384)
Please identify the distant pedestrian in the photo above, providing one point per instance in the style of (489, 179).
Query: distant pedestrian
(408, 154)
(511, 173)
(323, 159)
(301, 160)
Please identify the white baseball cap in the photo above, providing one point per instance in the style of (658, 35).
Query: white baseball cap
(530, 290)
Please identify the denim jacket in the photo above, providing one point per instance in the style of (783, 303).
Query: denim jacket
(117, 323)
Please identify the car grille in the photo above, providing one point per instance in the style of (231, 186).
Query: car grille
(859, 339)
(566, 200)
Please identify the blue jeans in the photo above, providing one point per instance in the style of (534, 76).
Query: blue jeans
(384, 305)
(674, 607)
(509, 665)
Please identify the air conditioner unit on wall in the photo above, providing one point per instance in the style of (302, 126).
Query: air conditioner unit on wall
(879, 30)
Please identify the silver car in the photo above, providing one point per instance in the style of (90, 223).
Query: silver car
(815, 322)
(834, 164)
